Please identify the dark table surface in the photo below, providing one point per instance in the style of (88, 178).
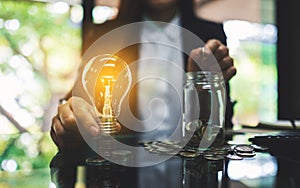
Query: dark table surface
(71, 170)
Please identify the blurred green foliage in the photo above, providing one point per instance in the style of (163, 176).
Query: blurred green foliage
(39, 56)
(31, 154)
(255, 85)
(42, 43)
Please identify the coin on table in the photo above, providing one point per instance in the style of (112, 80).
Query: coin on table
(165, 150)
(177, 146)
(243, 148)
(241, 154)
(191, 150)
(171, 142)
(161, 144)
(156, 145)
(234, 157)
(153, 151)
(214, 157)
(147, 147)
(189, 154)
(208, 155)
(146, 144)
(220, 152)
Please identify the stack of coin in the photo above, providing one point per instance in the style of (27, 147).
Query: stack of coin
(234, 157)
(236, 152)
(163, 147)
(189, 154)
(168, 147)
(244, 150)
(216, 154)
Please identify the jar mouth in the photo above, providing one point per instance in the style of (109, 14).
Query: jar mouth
(205, 75)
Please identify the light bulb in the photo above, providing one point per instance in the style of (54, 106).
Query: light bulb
(106, 80)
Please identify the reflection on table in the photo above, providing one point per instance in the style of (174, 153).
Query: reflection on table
(175, 172)
(21, 167)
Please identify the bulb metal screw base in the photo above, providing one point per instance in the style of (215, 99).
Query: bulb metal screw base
(108, 125)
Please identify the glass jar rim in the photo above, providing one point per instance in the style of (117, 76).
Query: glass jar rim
(205, 75)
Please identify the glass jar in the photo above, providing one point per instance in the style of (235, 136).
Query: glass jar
(204, 110)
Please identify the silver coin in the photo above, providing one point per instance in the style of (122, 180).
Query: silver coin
(147, 144)
(208, 155)
(189, 154)
(169, 153)
(166, 150)
(154, 146)
(153, 151)
(171, 142)
(234, 157)
(252, 154)
(244, 148)
(191, 150)
(214, 158)
(147, 147)
(177, 146)
(161, 144)
(220, 153)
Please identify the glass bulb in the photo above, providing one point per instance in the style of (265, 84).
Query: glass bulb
(107, 80)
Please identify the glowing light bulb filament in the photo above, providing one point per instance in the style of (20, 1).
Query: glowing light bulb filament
(108, 119)
(107, 109)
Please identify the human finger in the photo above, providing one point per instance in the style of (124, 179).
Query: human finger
(229, 73)
(226, 63)
(84, 116)
(67, 117)
(213, 45)
(221, 52)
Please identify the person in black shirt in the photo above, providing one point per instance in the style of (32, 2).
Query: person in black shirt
(64, 130)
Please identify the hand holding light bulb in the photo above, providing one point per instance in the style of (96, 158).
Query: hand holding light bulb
(64, 130)
(106, 80)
